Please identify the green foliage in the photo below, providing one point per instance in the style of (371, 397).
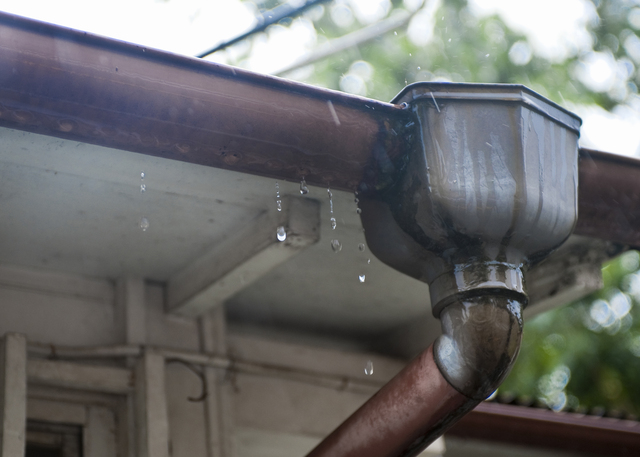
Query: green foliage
(592, 344)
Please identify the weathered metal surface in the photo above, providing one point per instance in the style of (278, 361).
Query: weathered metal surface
(74, 85)
(403, 418)
(479, 343)
(609, 197)
(488, 187)
(547, 429)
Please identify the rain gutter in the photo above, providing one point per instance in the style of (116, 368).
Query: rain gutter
(70, 84)
(560, 431)
(74, 85)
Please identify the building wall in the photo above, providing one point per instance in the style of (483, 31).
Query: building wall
(281, 400)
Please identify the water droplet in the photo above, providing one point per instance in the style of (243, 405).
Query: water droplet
(336, 245)
(304, 190)
(334, 224)
(329, 193)
(368, 261)
(279, 205)
(142, 175)
(418, 68)
(368, 368)
(361, 278)
(449, 40)
(143, 188)
(281, 233)
(395, 33)
(361, 247)
(358, 210)
(144, 223)
(487, 55)
(357, 200)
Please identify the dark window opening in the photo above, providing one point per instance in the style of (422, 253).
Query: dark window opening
(53, 440)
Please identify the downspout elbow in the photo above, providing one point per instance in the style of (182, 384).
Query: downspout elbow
(480, 342)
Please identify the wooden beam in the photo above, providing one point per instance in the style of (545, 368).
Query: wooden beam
(243, 257)
(219, 405)
(13, 395)
(570, 273)
(78, 376)
(151, 414)
(131, 309)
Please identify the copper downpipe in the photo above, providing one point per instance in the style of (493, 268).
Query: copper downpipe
(408, 413)
(480, 342)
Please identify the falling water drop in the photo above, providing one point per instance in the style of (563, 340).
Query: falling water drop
(361, 278)
(395, 33)
(143, 188)
(358, 211)
(334, 224)
(304, 190)
(142, 175)
(368, 368)
(336, 245)
(144, 223)
(361, 247)
(368, 261)
(281, 233)
(278, 201)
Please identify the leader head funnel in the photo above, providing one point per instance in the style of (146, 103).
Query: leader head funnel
(487, 186)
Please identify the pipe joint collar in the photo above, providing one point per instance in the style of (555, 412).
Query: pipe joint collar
(477, 278)
(480, 342)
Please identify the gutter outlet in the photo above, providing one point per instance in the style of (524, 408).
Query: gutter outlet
(486, 188)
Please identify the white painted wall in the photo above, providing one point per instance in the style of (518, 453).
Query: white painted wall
(272, 414)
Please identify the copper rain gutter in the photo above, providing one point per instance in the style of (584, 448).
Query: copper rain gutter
(73, 85)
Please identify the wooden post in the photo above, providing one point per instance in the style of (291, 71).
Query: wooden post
(151, 416)
(131, 309)
(219, 401)
(13, 395)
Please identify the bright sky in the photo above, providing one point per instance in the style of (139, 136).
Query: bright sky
(192, 26)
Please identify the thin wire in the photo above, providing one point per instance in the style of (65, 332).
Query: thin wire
(265, 20)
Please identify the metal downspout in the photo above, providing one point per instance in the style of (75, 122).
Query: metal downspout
(487, 188)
